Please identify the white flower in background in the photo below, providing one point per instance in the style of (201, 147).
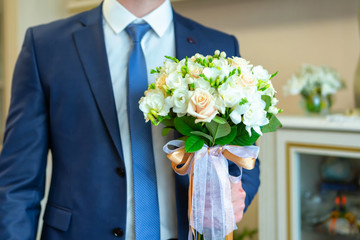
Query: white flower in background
(179, 101)
(260, 73)
(202, 106)
(175, 81)
(154, 104)
(293, 86)
(311, 79)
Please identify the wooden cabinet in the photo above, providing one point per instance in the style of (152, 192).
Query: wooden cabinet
(292, 163)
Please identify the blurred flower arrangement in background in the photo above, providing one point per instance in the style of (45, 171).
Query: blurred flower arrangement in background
(317, 85)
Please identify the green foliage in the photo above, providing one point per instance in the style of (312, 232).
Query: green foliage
(219, 120)
(165, 131)
(274, 75)
(168, 122)
(228, 138)
(202, 134)
(273, 124)
(218, 130)
(242, 138)
(267, 100)
(152, 71)
(185, 125)
(193, 144)
(172, 58)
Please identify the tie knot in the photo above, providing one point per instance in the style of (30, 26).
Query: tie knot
(137, 31)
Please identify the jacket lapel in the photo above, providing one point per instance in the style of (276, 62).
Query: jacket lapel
(89, 41)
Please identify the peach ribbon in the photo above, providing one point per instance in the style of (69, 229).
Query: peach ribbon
(183, 164)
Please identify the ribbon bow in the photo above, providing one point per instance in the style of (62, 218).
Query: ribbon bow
(210, 208)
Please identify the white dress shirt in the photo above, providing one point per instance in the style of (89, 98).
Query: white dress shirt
(158, 42)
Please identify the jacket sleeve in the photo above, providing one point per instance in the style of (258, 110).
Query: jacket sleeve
(250, 178)
(25, 149)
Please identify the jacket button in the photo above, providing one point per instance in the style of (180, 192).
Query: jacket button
(120, 172)
(118, 232)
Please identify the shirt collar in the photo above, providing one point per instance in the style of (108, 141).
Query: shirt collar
(118, 17)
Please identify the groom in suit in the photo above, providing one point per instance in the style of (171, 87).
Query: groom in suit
(72, 94)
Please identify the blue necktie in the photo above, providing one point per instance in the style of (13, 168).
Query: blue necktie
(147, 220)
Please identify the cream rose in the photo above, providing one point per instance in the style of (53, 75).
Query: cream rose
(247, 80)
(202, 106)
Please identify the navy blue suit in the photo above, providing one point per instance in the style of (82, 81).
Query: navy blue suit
(62, 100)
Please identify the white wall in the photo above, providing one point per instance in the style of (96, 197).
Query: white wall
(283, 34)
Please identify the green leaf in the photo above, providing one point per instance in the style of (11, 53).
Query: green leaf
(218, 130)
(165, 131)
(219, 120)
(182, 127)
(185, 125)
(274, 75)
(168, 122)
(228, 138)
(267, 100)
(242, 138)
(201, 134)
(191, 122)
(183, 138)
(273, 124)
(193, 144)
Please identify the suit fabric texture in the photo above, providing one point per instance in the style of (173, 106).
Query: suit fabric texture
(62, 101)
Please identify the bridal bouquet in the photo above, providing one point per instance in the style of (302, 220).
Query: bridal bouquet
(220, 106)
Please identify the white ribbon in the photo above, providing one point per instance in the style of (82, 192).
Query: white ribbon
(212, 212)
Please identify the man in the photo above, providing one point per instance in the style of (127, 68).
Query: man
(71, 94)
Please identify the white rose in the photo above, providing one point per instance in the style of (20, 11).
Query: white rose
(202, 106)
(154, 101)
(175, 81)
(230, 95)
(179, 101)
(260, 73)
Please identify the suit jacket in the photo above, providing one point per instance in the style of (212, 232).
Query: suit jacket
(62, 100)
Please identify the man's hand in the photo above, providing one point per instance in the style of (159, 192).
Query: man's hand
(238, 200)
